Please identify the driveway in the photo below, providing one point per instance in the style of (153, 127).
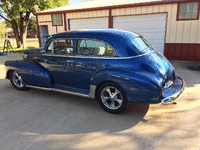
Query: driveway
(45, 120)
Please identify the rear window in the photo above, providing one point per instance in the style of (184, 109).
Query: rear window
(141, 43)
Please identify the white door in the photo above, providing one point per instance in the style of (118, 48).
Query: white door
(93, 23)
(43, 32)
(152, 27)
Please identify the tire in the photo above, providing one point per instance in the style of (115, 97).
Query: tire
(112, 98)
(17, 81)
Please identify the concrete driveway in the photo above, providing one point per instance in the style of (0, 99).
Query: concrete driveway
(44, 120)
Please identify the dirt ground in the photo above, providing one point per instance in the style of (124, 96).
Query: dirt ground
(41, 120)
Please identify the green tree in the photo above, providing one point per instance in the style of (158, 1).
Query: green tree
(32, 26)
(17, 13)
(2, 29)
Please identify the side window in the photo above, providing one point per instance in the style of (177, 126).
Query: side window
(188, 11)
(94, 47)
(56, 19)
(61, 46)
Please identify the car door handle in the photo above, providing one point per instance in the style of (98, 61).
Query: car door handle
(35, 58)
(69, 61)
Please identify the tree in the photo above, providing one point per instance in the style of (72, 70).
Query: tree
(32, 27)
(17, 13)
(2, 29)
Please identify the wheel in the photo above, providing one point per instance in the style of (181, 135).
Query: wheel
(17, 81)
(112, 97)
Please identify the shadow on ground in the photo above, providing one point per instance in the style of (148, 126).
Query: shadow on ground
(187, 71)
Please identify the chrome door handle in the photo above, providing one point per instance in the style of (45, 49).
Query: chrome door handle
(69, 61)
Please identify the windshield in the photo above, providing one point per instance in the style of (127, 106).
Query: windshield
(142, 44)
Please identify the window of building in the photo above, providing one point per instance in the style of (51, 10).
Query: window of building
(57, 19)
(61, 46)
(188, 11)
(94, 47)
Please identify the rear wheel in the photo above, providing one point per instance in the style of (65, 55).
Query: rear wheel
(16, 81)
(112, 97)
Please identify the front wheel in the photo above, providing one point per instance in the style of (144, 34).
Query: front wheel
(16, 81)
(112, 97)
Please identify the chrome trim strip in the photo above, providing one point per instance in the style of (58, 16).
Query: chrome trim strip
(82, 56)
(174, 96)
(58, 90)
(92, 91)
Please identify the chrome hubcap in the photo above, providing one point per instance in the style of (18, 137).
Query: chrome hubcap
(17, 80)
(111, 97)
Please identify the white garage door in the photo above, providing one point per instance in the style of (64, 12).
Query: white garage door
(93, 23)
(152, 27)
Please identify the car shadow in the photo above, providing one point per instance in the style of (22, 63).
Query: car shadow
(88, 114)
(188, 71)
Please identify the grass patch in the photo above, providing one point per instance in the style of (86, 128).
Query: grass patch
(31, 43)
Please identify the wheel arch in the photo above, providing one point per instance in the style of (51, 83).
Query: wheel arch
(103, 82)
(8, 73)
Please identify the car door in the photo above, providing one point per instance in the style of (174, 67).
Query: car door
(91, 56)
(59, 62)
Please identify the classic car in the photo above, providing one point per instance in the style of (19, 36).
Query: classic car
(113, 66)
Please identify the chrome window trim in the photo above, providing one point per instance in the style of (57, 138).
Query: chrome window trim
(75, 50)
(53, 39)
(93, 57)
(143, 38)
(99, 41)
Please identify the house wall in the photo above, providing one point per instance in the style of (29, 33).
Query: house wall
(47, 20)
(181, 40)
(176, 31)
(87, 14)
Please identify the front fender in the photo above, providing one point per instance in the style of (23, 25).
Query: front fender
(31, 73)
(139, 88)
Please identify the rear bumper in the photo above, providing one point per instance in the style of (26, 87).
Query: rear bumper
(174, 91)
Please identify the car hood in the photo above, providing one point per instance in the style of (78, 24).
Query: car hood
(34, 52)
(155, 66)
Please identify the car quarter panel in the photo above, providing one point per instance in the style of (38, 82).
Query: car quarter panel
(31, 73)
(142, 78)
(138, 88)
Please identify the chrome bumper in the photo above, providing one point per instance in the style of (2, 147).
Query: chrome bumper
(174, 91)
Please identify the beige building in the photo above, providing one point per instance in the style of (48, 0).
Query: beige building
(171, 26)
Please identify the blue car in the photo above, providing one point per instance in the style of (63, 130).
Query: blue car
(113, 66)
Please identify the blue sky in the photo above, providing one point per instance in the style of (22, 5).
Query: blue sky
(75, 1)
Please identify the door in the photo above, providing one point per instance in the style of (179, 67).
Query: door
(59, 62)
(152, 27)
(89, 60)
(93, 23)
(43, 32)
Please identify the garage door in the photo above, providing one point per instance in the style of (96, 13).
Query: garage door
(94, 23)
(150, 26)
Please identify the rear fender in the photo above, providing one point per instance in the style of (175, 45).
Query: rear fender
(138, 87)
(31, 73)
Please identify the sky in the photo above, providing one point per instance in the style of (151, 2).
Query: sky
(75, 1)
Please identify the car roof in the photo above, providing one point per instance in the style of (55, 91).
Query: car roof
(95, 32)
(118, 39)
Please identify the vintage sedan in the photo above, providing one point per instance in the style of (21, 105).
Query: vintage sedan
(113, 66)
